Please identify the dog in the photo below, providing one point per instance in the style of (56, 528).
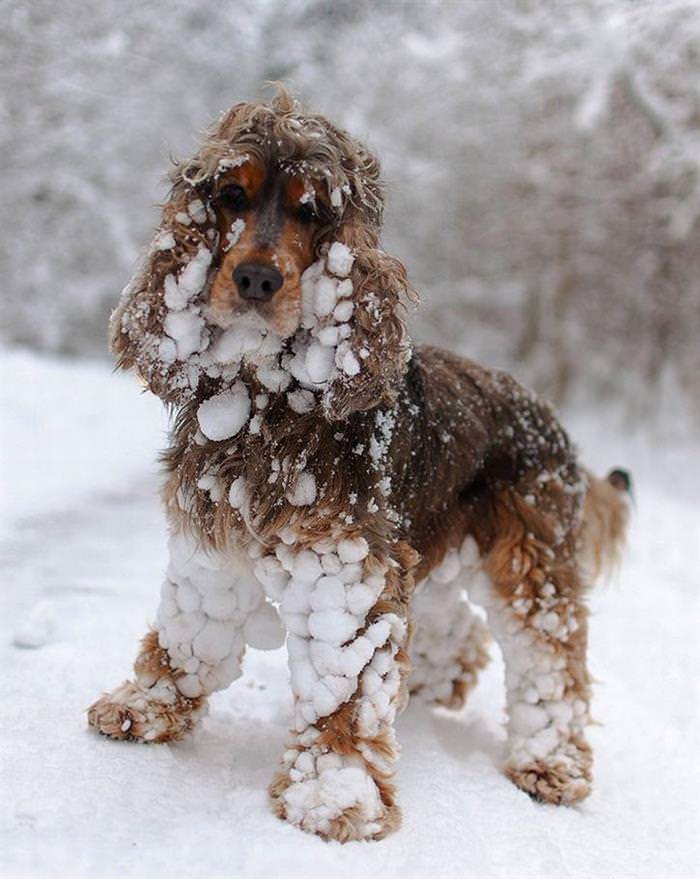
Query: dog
(328, 480)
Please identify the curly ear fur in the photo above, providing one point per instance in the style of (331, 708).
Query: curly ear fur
(137, 327)
(282, 133)
(379, 334)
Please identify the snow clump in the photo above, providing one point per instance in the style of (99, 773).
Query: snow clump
(211, 607)
(325, 594)
(223, 415)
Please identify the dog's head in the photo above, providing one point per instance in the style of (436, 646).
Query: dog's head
(268, 255)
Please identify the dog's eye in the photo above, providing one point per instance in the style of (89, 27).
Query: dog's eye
(307, 212)
(233, 197)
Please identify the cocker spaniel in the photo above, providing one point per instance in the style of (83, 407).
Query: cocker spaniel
(327, 478)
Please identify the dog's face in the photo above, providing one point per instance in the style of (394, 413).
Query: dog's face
(267, 220)
(224, 289)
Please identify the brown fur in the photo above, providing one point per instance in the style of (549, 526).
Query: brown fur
(120, 721)
(417, 450)
(605, 521)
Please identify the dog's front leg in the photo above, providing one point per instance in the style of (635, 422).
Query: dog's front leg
(211, 606)
(346, 613)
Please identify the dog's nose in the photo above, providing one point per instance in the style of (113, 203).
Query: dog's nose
(256, 281)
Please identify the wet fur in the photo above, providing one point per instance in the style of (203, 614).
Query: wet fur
(420, 449)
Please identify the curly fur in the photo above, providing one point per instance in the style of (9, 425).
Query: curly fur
(322, 151)
(427, 471)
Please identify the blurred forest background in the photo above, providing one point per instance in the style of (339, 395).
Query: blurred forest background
(542, 160)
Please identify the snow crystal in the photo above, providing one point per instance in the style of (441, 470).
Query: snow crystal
(304, 490)
(197, 211)
(238, 493)
(332, 626)
(339, 260)
(230, 162)
(272, 377)
(167, 350)
(240, 340)
(185, 330)
(224, 414)
(325, 296)
(234, 234)
(163, 240)
(179, 292)
(343, 311)
(349, 363)
(328, 336)
(353, 549)
(301, 401)
(319, 363)
(306, 566)
(272, 575)
(344, 289)
(219, 603)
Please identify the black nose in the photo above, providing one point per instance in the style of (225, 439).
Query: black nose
(257, 282)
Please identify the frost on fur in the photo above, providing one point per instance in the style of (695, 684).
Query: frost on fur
(317, 460)
(450, 643)
(211, 607)
(346, 667)
(546, 688)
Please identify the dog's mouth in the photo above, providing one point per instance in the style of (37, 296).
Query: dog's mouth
(280, 315)
(244, 335)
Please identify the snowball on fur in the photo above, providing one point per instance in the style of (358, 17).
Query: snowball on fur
(223, 415)
(304, 491)
(339, 260)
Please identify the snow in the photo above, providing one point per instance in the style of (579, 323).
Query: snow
(178, 293)
(83, 557)
(223, 415)
(319, 363)
(340, 260)
(304, 491)
(352, 549)
(234, 234)
(185, 329)
(58, 439)
(164, 241)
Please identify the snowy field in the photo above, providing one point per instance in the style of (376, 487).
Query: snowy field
(82, 552)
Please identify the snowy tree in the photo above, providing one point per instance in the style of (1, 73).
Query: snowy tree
(541, 158)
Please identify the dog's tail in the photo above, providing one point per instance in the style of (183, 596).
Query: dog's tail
(605, 520)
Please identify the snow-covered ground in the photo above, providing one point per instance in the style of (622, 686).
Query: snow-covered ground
(82, 560)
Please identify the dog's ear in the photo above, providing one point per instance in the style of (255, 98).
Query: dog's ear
(157, 326)
(379, 344)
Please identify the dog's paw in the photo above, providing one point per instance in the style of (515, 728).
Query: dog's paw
(562, 778)
(145, 714)
(335, 798)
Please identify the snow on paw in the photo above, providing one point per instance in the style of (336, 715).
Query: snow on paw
(154, 715)
(562, 778)
(333, 797)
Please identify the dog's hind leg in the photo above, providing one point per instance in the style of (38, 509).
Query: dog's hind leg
(211, 606)
(533, 595)
(346, 609)
(449, 646)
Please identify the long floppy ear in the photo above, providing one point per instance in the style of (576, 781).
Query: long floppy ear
(157, 328)
(379, 347)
